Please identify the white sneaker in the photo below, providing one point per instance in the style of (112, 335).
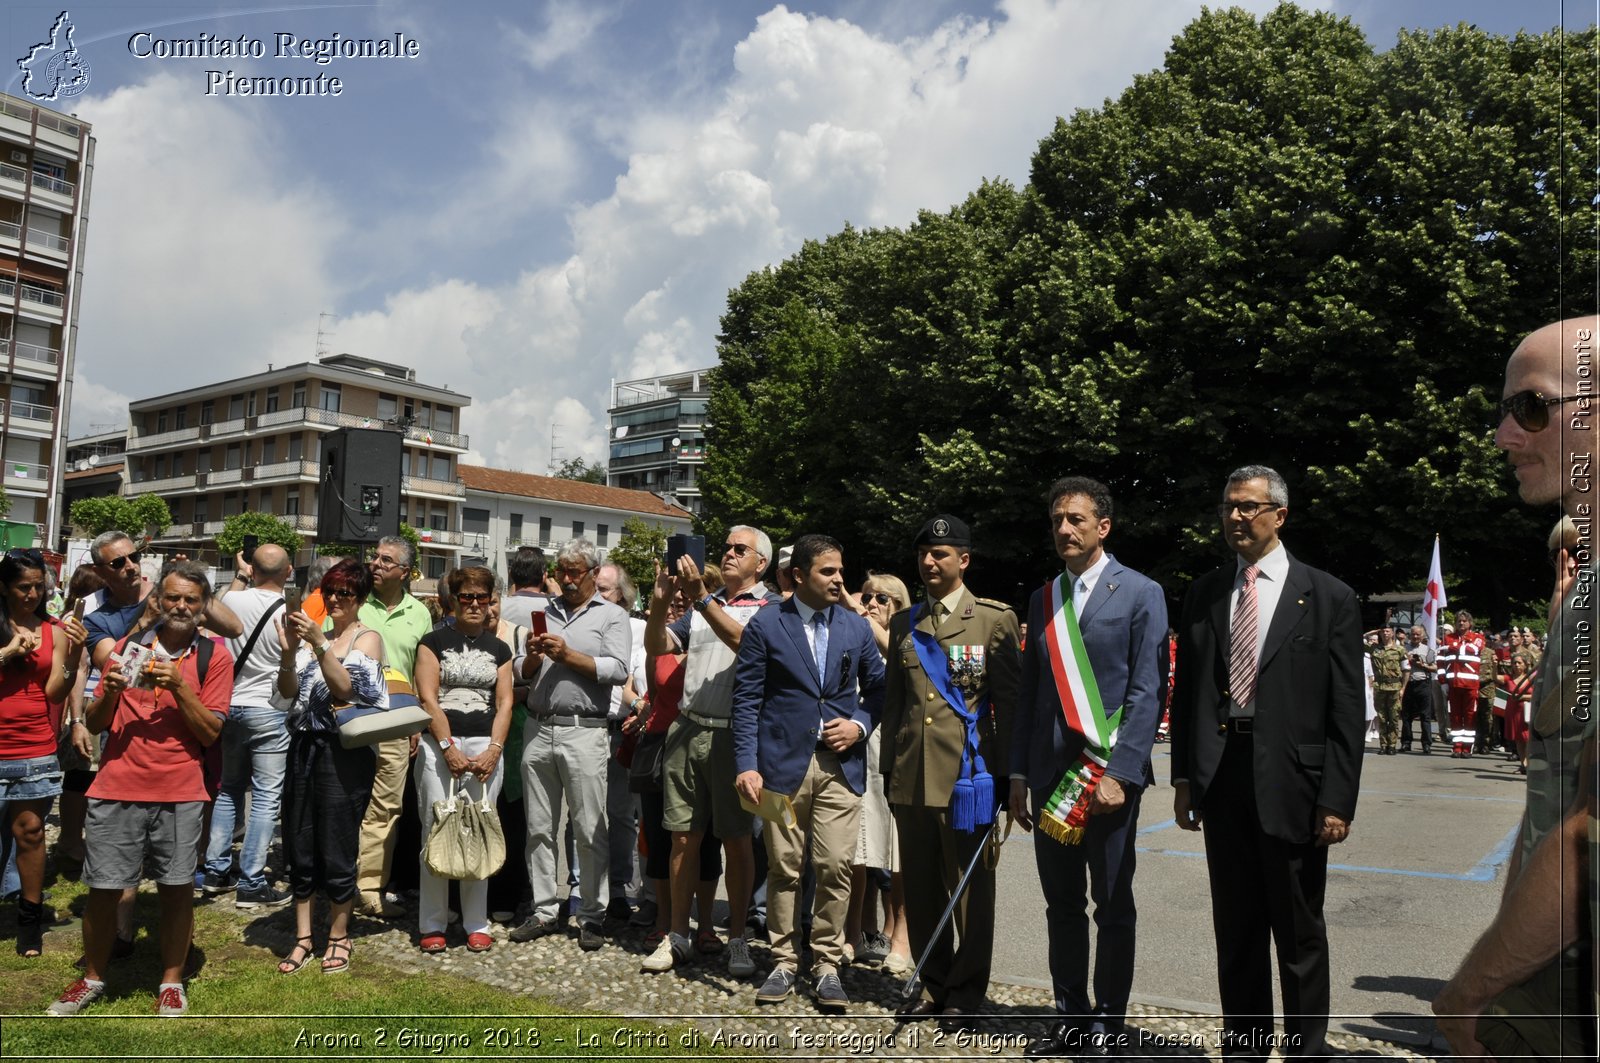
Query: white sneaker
(740, 965)
(79, 995)
(672, 951)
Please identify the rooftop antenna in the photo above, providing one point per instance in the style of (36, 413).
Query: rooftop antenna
(554, 450)
(322, 334)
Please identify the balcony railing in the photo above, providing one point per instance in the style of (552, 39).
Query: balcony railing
(46, 183)
(161, 439)
(35, 294)
(10, 230)
(28, 411)
(278, 470)
(13, 173)
(27, 472)
(438, 537)
(335, 419)
(423, 486)
(50, 240)
(31, 352)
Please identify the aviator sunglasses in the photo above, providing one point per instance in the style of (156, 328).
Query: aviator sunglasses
(1531, 409)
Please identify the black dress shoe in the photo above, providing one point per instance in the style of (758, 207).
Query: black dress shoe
(955, 1020)
(922, 1009)
(1099, 1046)
(1062, 1040)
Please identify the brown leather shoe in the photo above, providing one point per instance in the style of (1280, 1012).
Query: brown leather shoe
(956, 1020)
(922, 1009)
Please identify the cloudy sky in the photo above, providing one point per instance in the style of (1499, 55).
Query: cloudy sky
(553, 194)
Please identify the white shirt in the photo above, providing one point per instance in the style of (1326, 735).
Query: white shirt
(806, 613)
(1272, 572)
(1084, 585)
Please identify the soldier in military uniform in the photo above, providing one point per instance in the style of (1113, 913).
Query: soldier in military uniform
(953, 665)
(1388, 680)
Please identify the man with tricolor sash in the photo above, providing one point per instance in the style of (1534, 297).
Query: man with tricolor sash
(1093, 678)
(950, 694)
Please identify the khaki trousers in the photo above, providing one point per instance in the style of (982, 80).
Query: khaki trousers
(376, 856)
(828, 813)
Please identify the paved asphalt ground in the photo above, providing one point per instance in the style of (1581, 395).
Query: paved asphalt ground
(1408, 893)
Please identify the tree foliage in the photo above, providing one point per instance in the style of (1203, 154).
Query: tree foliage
(137, 516)
(407, 532)
(1282, 247)
(578, 469)
(638, 548)
(264, 526)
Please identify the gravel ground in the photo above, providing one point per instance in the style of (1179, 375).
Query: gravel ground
(723, 1008)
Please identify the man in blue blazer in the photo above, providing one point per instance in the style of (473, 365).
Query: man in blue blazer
(1081, 747)
(808, 688)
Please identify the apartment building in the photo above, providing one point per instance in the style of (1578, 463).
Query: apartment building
(94, 466)
(46, 162)
(504, 510)
(255, 443)
(658, 435)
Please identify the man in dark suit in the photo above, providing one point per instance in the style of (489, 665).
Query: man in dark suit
(1267, 727)
(808, 688)
(1081, 746)
(953, 648)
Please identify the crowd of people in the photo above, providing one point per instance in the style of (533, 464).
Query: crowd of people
(823, 754)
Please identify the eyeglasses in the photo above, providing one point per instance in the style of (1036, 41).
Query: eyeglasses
(574, 573)
(1531, 409)
(340, 592)
(474, 598)
(874, 596)
(116, 564)
(1247, 510)
(738, 549)
(386, 562)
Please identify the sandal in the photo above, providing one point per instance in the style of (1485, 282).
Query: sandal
(479, 942)
(707, 943)
(303, 948)
(30, 928)
(432, 943)
(337, 959)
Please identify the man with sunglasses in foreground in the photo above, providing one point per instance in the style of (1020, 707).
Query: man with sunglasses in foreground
(126, 609)
(1527, 989)
(698, 793)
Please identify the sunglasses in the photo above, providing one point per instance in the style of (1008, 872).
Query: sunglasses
(739, 549)
(1247, 510)
(874, 596)
(474, 598)
(341, 592)
(1531, 409)
(117, 564)
(27, 554)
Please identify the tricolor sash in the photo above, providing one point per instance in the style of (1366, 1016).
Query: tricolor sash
(972, 804)
(1066, 812)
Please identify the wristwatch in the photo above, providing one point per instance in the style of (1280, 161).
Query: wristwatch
(700, 604)
(446, 743)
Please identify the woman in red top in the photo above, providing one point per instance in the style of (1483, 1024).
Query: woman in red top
(34, 659)
(1519, 689)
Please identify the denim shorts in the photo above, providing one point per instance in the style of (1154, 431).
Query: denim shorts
(33, 779)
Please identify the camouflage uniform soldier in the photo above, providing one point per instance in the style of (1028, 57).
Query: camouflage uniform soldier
(1388, 678)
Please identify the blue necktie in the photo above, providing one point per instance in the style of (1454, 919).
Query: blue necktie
(820, 647)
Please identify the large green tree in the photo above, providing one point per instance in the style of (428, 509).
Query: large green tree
(1283, 247)
(138, 516)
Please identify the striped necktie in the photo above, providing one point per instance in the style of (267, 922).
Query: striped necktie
(1242, 662)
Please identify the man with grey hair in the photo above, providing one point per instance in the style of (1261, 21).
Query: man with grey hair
(401, 621)
(255, 740)
(582, 655)
(698, 793)
(1267, 738)
(127, 607)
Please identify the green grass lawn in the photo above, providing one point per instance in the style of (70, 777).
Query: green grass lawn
(241, 1007)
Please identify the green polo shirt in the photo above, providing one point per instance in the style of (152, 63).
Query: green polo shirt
(401, 629)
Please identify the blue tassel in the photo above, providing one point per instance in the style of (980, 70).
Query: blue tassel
(983, 798)
(963, 815)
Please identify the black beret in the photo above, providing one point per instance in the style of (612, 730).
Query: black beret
(945, 530)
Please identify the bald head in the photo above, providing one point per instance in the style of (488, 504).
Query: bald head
(271, 566)
(1547, 426)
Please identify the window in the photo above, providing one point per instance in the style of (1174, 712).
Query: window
(235, 407)
(441, 467)
(405, 463)
(208, 412)
(201, 509)
(161, 421)
(232, 458)
(177, 464)
(388, 407)
(230, 505)
(425, 415)
(181, 420)
(299, 400)
(444, 419)
(250, 405)
(439, 520)
(475, 521)
(435, 565)
(267, 447)
(161, 467)
(577, 529)
(516, 528)
(202, 461)
(328, 398)
(544, 530)
(291, 502)
(272, 400)
(602, 535)
(297, 444)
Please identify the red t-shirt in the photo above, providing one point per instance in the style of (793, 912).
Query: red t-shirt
(151, 754)
(25, 728)
(666, 677)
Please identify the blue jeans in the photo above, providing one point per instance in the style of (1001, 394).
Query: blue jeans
(255, 747)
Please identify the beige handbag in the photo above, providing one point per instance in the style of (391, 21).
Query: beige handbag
(466, 841)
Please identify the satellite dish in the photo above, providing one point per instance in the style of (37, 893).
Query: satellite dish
(622, 430)
(676, 441)
(94, 459)
(81, 465)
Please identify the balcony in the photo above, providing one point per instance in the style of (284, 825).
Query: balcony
(14, 177)
(283, 470)
(10, 230)
(437, 537)
(51, 245)
(29, 416)
(417, 485)
(27, 475)
(277, 420)
(46, 301)
(31, 352)
(139, 441)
